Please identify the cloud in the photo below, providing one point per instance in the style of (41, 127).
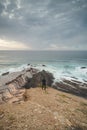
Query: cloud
(12, 45)
(48, 24)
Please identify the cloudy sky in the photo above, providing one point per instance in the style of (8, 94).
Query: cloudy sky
(43, 24)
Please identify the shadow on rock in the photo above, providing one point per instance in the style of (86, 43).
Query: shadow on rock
(35, 81)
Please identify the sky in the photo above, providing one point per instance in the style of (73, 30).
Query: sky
(43, 24)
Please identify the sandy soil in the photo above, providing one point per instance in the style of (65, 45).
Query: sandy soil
(45, 110)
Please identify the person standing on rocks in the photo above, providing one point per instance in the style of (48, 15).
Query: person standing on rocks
(44, 83)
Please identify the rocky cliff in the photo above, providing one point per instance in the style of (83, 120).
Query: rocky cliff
(11, 87)
(14, 88)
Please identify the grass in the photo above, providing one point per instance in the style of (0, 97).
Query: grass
(1, 127)
(83, 110)
(18, 116)
(83, 104)
(1, 112)
(64, 96)
(74, 128)
(61, 101)
(11, 117)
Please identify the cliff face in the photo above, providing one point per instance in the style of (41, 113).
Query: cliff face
(13, 90)
(36, 79)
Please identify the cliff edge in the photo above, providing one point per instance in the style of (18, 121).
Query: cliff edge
(45, 110)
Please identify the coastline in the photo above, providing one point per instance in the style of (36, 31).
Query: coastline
(62, 106)
(12, 84)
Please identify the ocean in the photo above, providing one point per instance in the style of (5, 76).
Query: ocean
(63, 64)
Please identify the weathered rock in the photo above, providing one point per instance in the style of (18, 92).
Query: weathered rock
(35, 81)
(83, 67)
(76, 88)
(28, 64)
(5, 73)
(13, 90)
(44, 65)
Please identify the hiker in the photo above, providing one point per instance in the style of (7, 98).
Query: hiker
(44, 83)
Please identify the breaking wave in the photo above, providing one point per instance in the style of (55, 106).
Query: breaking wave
(60, 71)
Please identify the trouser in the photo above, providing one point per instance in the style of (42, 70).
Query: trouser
(44, 87)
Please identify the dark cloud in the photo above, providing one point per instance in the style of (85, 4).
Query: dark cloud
(1, 7)
(48, 24)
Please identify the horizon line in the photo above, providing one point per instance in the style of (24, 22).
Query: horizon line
(43, 50)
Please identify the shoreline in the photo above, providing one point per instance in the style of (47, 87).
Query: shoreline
(12, 84)
(24, 103)
(78, 73)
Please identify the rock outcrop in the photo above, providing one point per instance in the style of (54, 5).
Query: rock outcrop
(35, 81)
(5, 73)
(72, 86)
(83, 67)
(13, 86)
(14, 89)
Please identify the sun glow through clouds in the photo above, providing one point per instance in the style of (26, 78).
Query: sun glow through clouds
(12, 45)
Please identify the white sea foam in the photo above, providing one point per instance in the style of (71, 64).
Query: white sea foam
(14, 69)
(59, 72)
